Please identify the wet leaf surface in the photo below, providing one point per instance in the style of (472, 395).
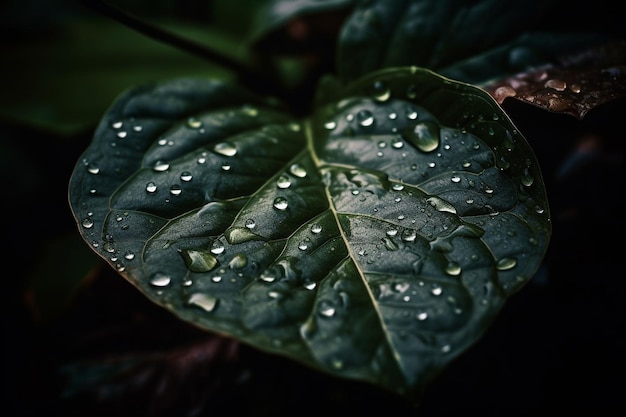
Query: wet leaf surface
(375, 240)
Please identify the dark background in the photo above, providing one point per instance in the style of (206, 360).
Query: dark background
(557, 346)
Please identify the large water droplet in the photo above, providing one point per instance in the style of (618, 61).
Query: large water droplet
(159, 279)
(225, 148)
(161, 166)
(198, 260)
(365, 118)
(281, 203)
(441, 205)
(424, 136)
(204, 301)
(297, 170)
(505, 264)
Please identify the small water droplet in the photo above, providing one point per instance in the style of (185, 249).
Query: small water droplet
(129, 255)
(151, 187)
(437, 290)
(365, 118)
(326, 309)
(397, 187)
(186, 176)
(160, 280)
(422, 316)
(194, 123)
(556, 84)
(297, 170)
(303, 245)
(283, 181)
(505, 264)
(445, 348)
(161, 166)
(122, 134)
(455, 178)
(397, 143)
(408, 235)
(116, 125)
(503, 92)
(380, 91)
(392, 116)
(87, 223)
(250, 224)
(330, 125)
(281, 203)
(316, 228)
(204, 301)
(225, 148)
(93, 168)
(239, 261)
(217, 247)
(453, 268)
(175, 189)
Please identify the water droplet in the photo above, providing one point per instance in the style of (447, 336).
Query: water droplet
(437, 290)
(392, 116)
(159, 279)
(92, 168)
(122, 134)
(326, 309)
(186, 176)
(151, 187)
(505, 264)
(445, 348)
(281, 203)
(503, 92)
(555, 84)
(175, 189)
(365, 118)
(316, 228)
(409, 235)
(250, 224)
(283, 181)
(268, 275)
(390, 244)
(397, 187)
(310, 285)
(455, 178)
(239, 261)
(297, 170)
(199, 260)
(441, 205)
(303, 245)
(330, 125)
(225, 167)
(217, 247)
(422, 316)
(453, 268)
(87, 223)
(411, 92)
(380, 91)
(216, 278)
(194, 123)
(116, 125)
(411, 113)
(397, 143)
(225, 148)
(424, 136)
(250, 111)
(204, 301)
(161, 166)
(129, 255)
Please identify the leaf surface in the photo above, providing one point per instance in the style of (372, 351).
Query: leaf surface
(374, 240)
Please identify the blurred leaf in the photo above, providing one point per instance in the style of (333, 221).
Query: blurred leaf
(575, 86)
(375, 240)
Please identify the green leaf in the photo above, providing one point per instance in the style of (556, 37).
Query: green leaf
(429, 33)
(375, 240)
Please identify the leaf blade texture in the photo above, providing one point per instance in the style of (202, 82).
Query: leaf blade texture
(375, 240)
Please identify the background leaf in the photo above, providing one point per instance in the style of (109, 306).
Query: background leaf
(376, 244)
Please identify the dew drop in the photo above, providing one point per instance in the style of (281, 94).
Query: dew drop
(392, 232)
(390, 244)
(455, 178)
(129, 255)
(194, 123)
(217, 247)
(151, 187)
(437, 290)
(116, 125)
(225, 148)
(93, 168)
(175, 189)
(316, 228)
(408, 235)
(422, 316)
(380, 91)
(161, 166)
(297, 170)
(392, 116)
(281, 203)
(424, 136)
(505, 264)
(397, 187)
(186, 176)
(555, 84)
(503, 92)
(204, 301)
(239, 261)
(326, 309)
(303, 246)
(199, 260)
(225, 167)
(441, 205)
(397, 143)
(250, 224)
(453, 269)
(87, 223)
(160, 280)
(122, 134)
(283, 181)
(365, 118)
(330, 125)
(216, 278)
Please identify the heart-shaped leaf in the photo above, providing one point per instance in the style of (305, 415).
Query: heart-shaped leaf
(375, 240)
